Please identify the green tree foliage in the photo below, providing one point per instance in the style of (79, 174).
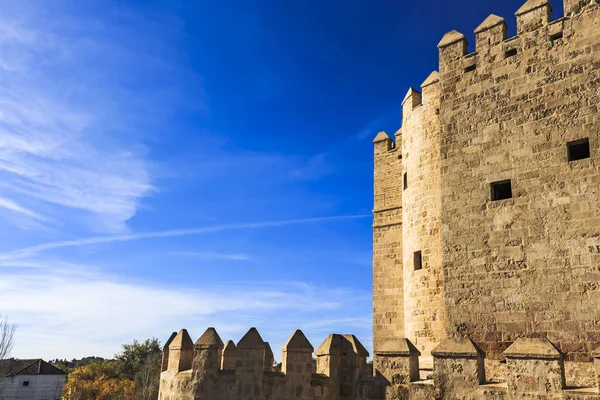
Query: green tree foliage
(133, 356)
(133, 375)
(141, 362)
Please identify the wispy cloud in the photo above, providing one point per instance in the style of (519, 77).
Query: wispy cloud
(209, 255)
(31, 251)
(382, 122)
(314, 168)
(17, 208)
(104, 311)
(67, 131)
(80, 97)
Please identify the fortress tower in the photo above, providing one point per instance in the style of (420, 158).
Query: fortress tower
(487, 203)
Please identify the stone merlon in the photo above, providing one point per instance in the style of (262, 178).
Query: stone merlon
(490, 22)
(451, 38)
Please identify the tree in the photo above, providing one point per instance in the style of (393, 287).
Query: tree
(133, 375)
(147, 379)
(7, 332)
(141, 362)
(98, 381)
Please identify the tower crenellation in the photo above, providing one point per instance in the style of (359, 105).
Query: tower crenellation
(165, 352)
(181, 352)
(229, 356)
(533, 16)
(491, 33)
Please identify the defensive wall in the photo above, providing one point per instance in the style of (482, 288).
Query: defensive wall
(209, 369)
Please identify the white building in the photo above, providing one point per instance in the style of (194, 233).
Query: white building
(30, 380)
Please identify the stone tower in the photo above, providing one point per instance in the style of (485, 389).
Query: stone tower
(408, 293)
(487, 204)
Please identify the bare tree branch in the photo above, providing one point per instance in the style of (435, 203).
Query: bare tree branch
(7, 332)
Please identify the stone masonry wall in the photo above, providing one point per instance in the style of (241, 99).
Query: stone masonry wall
(523, 267)
(209, 370)
(528, 266)
(388, 295)
(422, 218)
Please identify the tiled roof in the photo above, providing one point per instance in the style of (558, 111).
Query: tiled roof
(14, 367)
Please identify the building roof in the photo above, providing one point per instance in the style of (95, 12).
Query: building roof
(14, 367)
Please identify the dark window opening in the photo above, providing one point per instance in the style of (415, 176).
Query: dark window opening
(510, 53)
(25, 383)
(405, 181)
(556, 36)
(418, 261)
(471, 68)
(501, 190)
(579, 149)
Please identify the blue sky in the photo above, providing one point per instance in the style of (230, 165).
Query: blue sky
(169, 164)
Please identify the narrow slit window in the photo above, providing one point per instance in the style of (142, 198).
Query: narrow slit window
(418, 260)
(501, 190)
(470, 68)
(510, 53)
(579, 149)
(556, 36)
(405, 181)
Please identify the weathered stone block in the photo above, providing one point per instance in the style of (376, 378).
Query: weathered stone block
(535, 370)
(597, 367)
(397, 364)
(573, 6)
(458, 368)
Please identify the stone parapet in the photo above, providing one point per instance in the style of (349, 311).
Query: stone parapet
(213, 371)
(396, 366)
(535, 369)
(458, 368)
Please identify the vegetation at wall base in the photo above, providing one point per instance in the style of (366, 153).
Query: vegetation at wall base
(134, 374)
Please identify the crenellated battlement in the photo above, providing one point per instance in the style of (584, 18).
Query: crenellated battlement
(493, 49)
(534, 368)
(210, 369)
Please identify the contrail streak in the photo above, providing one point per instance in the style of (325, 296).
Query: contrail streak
(27, 252)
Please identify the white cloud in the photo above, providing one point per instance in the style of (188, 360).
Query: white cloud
(17, 208)
(71, 152)
(58, 118)
(85, 314)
